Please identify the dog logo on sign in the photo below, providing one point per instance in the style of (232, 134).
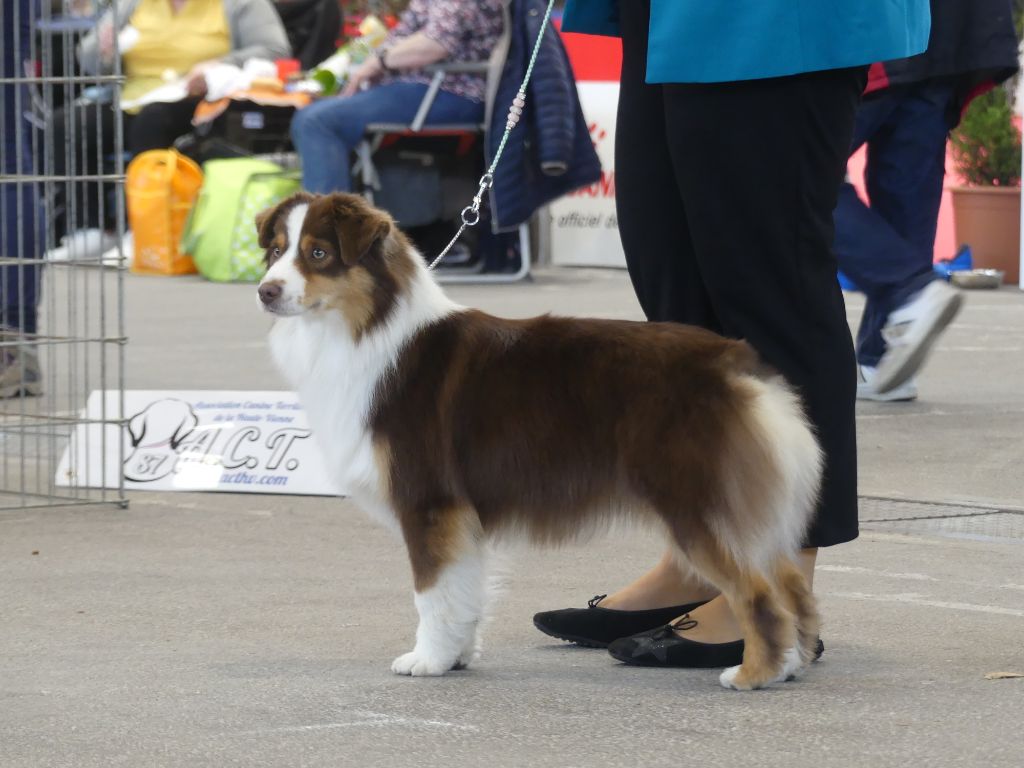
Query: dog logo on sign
(155, 434)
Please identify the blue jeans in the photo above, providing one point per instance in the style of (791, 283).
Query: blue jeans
(326, 132)
(21, 221)
(886, 248)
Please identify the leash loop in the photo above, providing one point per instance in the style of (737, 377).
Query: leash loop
(471, 213)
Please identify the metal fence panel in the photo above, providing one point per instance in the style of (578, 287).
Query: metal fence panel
(61, 261)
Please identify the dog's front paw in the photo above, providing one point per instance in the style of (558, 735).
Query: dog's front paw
(728, 678)
(738, 678)
(420, 664)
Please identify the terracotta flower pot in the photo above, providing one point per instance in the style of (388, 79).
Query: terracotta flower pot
(988, 220)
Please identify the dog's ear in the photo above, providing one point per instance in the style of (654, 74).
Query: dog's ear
(360, 228)
(266, 221)
(137, 428)
(185, 428)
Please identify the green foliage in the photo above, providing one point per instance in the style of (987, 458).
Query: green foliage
(987, 144)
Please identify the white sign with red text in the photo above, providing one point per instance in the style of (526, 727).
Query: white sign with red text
(242, 442)
(584, 228)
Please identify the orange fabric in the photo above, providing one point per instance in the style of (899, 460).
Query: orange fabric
(207, 111)
(161, 188)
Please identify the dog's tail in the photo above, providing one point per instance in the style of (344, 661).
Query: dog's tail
(771, 474)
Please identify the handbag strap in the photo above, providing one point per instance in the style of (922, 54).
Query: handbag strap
(190, 234)
(280, 173)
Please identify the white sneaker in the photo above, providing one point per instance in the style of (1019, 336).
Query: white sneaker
(82, 245)
(866, 389)
(912, 330)
(19, 368)
(112, 256)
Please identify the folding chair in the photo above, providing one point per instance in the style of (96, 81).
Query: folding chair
(376, 133)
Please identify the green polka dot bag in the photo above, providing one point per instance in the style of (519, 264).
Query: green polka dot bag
(221, 232)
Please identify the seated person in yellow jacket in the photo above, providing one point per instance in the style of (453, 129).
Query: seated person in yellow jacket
(183, 37)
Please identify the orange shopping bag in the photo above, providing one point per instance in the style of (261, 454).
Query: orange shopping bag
(161, 188)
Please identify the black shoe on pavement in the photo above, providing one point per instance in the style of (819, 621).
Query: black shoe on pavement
(595, 627)
(662, 647)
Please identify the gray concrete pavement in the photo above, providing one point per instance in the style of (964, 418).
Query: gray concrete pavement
(223, 630)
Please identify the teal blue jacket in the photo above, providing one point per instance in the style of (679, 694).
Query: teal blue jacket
(714, 41)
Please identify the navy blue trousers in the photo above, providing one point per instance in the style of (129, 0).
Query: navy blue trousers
(20, 214)
(885, 247)
(326, 132)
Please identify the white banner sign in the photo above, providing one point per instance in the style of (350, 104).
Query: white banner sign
(584, 228)
(243, 442)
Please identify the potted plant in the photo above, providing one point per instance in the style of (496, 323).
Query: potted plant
(986, 149)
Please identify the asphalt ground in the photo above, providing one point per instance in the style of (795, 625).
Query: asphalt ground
(236, 630)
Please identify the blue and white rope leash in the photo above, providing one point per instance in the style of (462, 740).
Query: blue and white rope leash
(471, 213)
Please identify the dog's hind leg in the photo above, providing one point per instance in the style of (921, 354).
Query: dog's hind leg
(448, 561)
(769, 632)
(798, 598)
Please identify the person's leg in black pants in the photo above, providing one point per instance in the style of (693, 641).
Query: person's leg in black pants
(725, 198)
(759, 194)
(82, 139)
(656, 240)
(158, 126)
(92, 127)
(652, 219)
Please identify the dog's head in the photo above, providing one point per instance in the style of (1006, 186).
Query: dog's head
(333, 253)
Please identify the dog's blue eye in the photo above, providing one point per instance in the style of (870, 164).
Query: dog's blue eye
(319, 253)
(276, 252)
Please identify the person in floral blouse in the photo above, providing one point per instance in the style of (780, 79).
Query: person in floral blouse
(389, 86)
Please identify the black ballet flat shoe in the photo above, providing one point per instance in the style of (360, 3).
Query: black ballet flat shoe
(595, 627)
(662, 647)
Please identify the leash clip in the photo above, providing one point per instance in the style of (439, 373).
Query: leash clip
(471, 213)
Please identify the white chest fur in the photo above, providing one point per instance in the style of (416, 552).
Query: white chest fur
(336, 378)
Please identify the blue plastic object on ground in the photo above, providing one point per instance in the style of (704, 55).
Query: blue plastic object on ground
(961, 261)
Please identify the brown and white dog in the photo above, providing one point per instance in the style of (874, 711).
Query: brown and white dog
(452, 426)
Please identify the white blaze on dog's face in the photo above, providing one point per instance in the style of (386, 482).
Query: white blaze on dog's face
(284, 286)
(332, 253)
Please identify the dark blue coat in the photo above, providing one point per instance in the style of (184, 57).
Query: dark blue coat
(973, 45)
(549, 152)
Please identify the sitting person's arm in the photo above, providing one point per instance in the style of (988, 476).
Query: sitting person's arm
(413, 52)
(256, 33)
(429, 32)
(96, 49)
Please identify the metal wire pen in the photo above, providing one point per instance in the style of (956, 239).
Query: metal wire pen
(62, 187)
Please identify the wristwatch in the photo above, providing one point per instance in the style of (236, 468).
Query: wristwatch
(383, 64)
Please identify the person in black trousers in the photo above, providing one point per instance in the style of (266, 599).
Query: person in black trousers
(725, 193)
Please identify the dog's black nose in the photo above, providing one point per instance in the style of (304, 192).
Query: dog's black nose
(270, 292)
